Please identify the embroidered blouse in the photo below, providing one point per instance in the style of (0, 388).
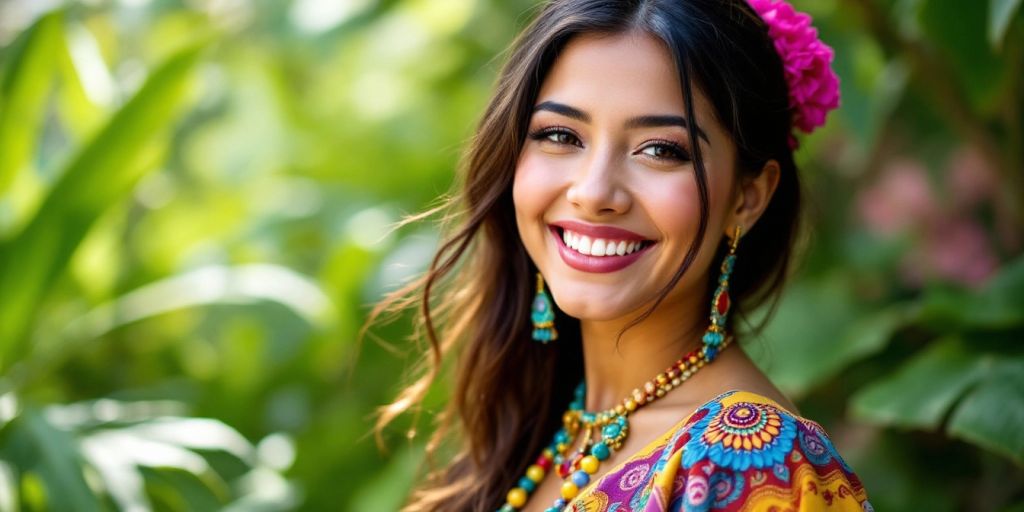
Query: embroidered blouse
(739, 452)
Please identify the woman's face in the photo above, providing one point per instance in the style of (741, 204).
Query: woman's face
(607, 166)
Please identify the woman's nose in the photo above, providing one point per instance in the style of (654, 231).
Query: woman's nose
(597, 186)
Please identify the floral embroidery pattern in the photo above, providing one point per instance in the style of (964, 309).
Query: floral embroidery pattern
(634, 477)
(738, 452)
(741, 435)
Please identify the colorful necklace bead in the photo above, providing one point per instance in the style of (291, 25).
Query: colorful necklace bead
(611, 426)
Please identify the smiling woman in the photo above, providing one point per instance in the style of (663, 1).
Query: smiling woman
(635, 163)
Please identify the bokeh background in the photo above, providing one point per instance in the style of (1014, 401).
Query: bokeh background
(196, 199)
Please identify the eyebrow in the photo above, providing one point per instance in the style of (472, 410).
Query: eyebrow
(649, 121)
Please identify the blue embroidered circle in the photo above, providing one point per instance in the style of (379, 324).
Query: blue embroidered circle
(740, 436)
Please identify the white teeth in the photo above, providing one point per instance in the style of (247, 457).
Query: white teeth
(611, 248)
(599, 246)
(584, 247)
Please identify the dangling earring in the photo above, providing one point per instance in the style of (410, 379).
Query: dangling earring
(721, 302)
(543, 315)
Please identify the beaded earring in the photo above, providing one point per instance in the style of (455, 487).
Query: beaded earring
(543, 315)
(721, 302)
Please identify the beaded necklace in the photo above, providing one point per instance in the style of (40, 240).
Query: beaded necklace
(610, 424)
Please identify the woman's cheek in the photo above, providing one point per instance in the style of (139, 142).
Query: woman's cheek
(675, 204)
(535, 185)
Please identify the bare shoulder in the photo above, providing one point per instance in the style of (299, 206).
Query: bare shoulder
(733, 370)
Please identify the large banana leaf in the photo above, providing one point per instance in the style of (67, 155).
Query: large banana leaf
(968, 383)
(100, 174)
(23, 91)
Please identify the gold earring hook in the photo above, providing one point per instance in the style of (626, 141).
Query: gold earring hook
(737, 231)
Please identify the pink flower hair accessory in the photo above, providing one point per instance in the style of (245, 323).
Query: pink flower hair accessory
(806, 60)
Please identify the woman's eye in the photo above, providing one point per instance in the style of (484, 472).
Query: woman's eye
(562, 138)
(666, 151)
(559, 136)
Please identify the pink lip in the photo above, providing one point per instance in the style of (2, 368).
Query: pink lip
(606, 232)
(596, 264)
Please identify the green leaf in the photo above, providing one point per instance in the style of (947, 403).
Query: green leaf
(37, 446)
(999, 305)
(82, 108)
(921, 392)
(959, 33)
(992, 414)
(1000, 14)
(101, 173)
(180, 490)
(821, 330)
(380, 493)
(26, 84)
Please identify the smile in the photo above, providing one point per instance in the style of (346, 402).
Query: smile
(583, 244)
(597, 249)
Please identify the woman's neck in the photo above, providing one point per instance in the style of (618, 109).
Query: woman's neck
(614, 367)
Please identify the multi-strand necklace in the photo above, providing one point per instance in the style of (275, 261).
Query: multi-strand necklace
(603, 433)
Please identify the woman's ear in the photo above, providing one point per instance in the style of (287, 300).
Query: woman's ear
(752, 197)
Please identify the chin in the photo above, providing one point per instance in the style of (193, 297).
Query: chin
(584, 307)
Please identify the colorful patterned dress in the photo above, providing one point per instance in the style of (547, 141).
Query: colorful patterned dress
(739, 452)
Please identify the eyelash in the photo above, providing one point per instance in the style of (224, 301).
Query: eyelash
(543, 134)
(679, 154)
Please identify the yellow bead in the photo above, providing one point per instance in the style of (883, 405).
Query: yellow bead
(516, 497)
(562, 447)
(569, 490)
(630, 405)
(590, 464)
(535, 473)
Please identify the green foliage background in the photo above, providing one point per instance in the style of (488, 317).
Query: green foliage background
(195, 202)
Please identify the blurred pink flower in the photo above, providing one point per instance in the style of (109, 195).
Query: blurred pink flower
(901, 198)
(956, 250)
(950, 245)
(969, 178)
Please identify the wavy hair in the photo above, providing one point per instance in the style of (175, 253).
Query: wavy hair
(474, 300)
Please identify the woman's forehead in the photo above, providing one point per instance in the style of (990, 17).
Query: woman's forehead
(620, 76)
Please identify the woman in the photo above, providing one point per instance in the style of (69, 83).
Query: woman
(634, 165)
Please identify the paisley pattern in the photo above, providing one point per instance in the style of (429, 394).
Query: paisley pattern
(738, 452)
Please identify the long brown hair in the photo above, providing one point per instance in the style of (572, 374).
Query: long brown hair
(474, 300)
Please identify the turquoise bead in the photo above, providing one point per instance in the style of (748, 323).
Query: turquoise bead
(580, 478)
(506, 508)
(562, 437)
(527, 484)
(601, 451)
(713, 339)
(611, 430)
